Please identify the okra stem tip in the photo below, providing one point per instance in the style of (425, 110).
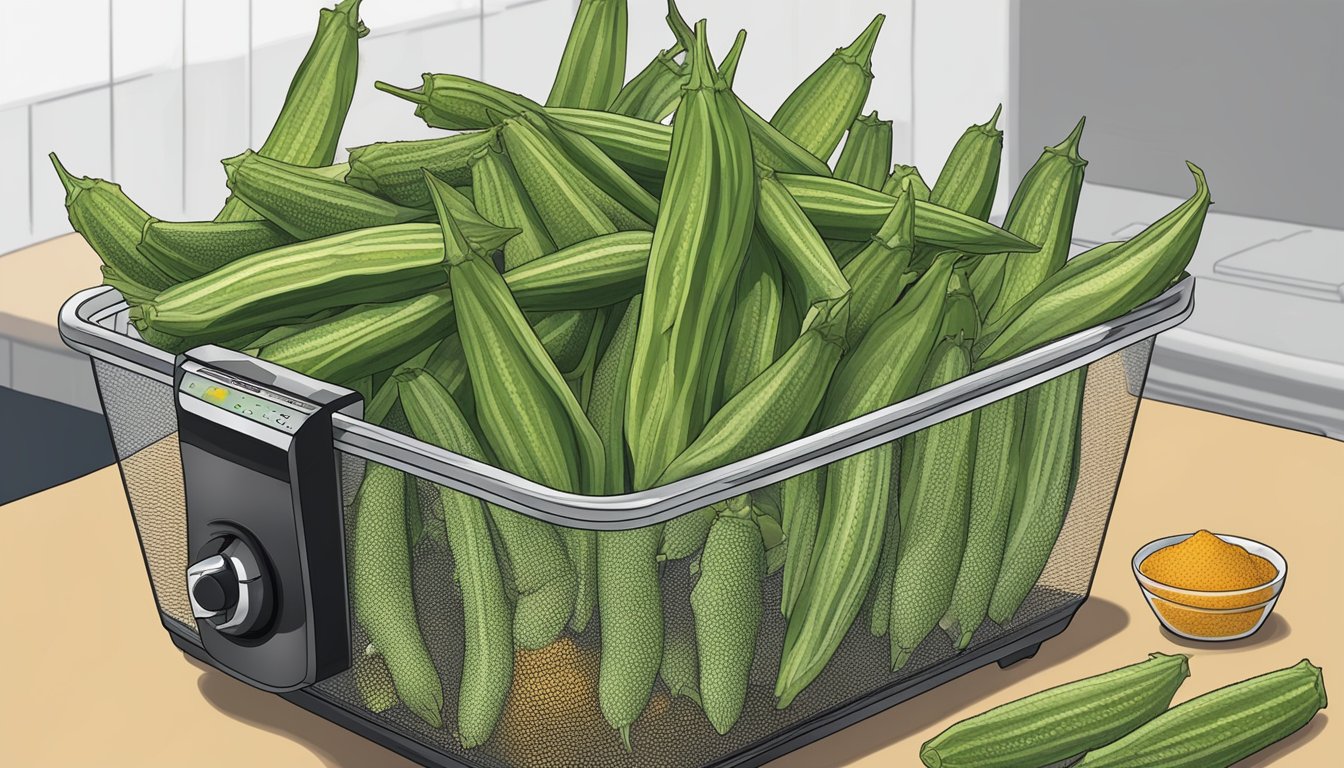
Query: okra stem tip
(992, 125)
(415, 97)
(703, 73)
(728, 69)
(1069, 146)
(349, 9)
(677, 23)
(861, 50)
(67, 181)
(930, 758)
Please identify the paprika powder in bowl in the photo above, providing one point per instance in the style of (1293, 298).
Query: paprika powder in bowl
(1206, 586)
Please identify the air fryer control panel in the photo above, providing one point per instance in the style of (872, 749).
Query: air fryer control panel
(264, 521)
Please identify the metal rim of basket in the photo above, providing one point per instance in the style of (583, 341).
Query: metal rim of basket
(93, 321)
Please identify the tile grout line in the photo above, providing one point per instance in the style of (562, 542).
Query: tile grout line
(111, 95)
(249, 75)
(913, 80)
(183, 112)
(32, 224)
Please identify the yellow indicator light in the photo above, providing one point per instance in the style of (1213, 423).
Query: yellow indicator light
(218, 394)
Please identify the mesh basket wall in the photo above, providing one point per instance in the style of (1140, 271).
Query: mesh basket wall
(551, 715)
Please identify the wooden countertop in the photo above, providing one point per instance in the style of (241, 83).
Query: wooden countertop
(92, 679)
(35, 282)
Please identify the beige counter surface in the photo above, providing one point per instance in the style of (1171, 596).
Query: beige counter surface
(92, 679)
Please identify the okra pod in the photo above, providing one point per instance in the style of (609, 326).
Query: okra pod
(306, 207)
(381, 593)
(803, 256)
(111, 224)
(752, 333)
(653, 93)
(866, 156)
(308, 128)
(824, 105)
(1221, 728)
(847, 211)
(487, 619)
(1087, 291)
(726, 604)
(188, 249)
(395, 169)
(800, 500)
(885, 367)
(878, 272)
(896, 179)
(592, 67)
(500, 198)
(1060, 723)
(970, 176)
(698, 249)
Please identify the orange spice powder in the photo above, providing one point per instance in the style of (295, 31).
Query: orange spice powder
(1207, 563)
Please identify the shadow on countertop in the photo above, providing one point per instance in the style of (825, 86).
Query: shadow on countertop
(44, 443)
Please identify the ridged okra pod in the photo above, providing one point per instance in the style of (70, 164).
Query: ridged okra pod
(1042, 211)
(308, 207)
(800, 499)
(970, 175)
(381, 594)
(752, 333)
(653, 93)
(487, 617)
(1047, 474)
(298, 280)
(698, 249)
(993, 482)
(394, 170)
(599, 272)
(531, 420)
(1221, 728)
(111, 224)
(878, 272)
(308, 128)
(885, 367)
(776, 406)
(824, 105)
(592, 67)
(803, 256)
(365, 339)
(188, 249)
(846, 211)
(866, 156)
(499, 197)
(879, 602)
(1059, 723)
(934, 505)
(896, 179)
(460, 103)
(1091, 289)
(726, 604)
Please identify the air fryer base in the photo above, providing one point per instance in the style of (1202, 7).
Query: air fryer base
(1019, 645)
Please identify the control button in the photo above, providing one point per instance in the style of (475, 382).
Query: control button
(216, 591)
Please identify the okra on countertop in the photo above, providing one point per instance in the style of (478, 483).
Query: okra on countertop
(308, 128)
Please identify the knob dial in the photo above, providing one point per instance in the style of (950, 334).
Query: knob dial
(228, 591)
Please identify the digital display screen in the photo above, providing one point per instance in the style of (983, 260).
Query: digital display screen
(249, 401)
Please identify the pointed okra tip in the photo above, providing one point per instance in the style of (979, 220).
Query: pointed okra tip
(861, 50)
(420, 97)
(680, 29)
(348, 11)
(1201, 183)
(72, 185)
(728, 67)
(1068, 148)
(456, 248)
(991, 127)
(702, 72)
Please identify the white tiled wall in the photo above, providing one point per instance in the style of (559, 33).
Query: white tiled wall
(154, 92)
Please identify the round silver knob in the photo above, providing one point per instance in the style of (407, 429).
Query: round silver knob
(227, 590)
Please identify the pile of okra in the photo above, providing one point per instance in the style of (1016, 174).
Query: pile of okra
(631, 283)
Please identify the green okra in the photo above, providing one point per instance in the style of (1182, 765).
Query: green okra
(111, 224)
(499, 197)
(878, 272)
(803, 256)
(387, 394)
(653, 93)
(866, 156)
(373, 680)
(1091, 289)
(800, 504)
(487, 618)
(1047, 474)
(879, 617)
(726, 604)
(1060, 723)
(381, 594)
(934, 506)
(1221, 728)
(1042, 211)
(846, 211)
(884, 368)
(970, 176)
(752, 333)
(307, 207)
(592, 67)
(188, 249)
(817, 112)
(363, 339)
(394, 170)
(308, 129)
(896, 179)
(698, 248)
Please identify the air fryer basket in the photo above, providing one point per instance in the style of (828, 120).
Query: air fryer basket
(552, 716)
